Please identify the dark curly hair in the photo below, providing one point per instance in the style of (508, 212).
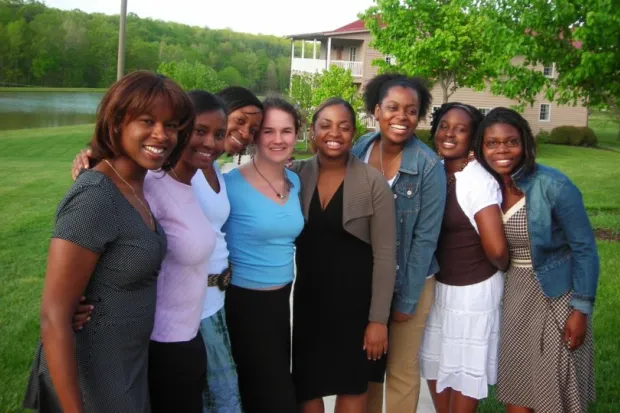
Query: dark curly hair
(380, 85)
(332, 102)
(514, 119)
(475, 115)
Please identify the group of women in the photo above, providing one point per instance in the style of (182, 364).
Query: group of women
(168, 283)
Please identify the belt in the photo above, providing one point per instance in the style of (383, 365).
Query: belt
(521, 263)
(221, 280)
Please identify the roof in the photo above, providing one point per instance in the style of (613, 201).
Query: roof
(354, 27)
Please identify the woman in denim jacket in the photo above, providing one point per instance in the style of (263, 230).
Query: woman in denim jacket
(546, 352)
(418, 182)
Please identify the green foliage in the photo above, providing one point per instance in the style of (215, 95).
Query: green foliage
(589, 136)
(579, 38)
(192, 75)
(543, 136)
(425, 136)
(232, 76)
(42, 46)
(445, 42)
(309, 91)
(567, 135)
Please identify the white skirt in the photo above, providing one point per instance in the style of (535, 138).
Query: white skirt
(461, 337)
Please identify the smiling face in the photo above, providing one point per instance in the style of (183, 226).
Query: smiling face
(149, 138)
(453, 135)
(277, 137)
(333, 131)
(243, 125)
(207, 141)
(502, 148)
(398, 115)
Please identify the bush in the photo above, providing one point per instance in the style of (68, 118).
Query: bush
(425, 136)
(567, 135)
(543, 136)
(589, 137)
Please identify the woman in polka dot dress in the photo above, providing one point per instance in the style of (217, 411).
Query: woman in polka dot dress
(546, 361)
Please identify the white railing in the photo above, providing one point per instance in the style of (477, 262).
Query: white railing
(308, 65)
(318, 65)
(356, 68)
(369, 121)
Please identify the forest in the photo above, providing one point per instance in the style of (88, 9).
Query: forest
(43, 46)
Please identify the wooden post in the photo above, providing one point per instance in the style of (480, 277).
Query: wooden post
(329, 52)
(314, 51)
(303, 49)
(120, 65)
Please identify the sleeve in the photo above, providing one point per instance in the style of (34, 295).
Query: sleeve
(571, 215)
(383, 240)
(477, 189)
(425, 237)
(87, 217)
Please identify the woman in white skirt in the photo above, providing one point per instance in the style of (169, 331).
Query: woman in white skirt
(459, 349)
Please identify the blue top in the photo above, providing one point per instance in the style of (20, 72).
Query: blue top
(261, 233)
(420, 195)
(564, 253)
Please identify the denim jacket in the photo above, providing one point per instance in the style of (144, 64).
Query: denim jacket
(563, 248)
(420, 195)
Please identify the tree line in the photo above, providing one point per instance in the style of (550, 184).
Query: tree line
(43, 46)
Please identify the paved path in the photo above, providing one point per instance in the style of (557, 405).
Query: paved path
(425, 404)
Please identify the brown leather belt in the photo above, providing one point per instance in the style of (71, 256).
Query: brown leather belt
(221, 280)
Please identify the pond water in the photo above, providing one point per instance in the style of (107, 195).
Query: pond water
(23, 110)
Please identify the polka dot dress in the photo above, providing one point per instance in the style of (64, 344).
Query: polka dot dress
(536, 369)
(112, 349)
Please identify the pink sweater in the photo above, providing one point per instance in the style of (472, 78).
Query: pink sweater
(182, 280)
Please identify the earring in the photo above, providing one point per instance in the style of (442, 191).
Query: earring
(471, 155)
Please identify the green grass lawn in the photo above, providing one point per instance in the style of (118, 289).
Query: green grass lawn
(35, 174)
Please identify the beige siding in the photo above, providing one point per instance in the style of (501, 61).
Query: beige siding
(559, 115)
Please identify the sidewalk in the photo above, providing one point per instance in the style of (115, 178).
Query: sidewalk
(425, 405)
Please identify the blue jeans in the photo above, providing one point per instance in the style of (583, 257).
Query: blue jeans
(221, 394)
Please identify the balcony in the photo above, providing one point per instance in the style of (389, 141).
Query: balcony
(318, 65)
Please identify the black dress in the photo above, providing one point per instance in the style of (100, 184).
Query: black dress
(331, 305)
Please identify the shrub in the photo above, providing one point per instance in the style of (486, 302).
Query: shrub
(589, 137)
(566, 135)
(543, 136)
(425, 136)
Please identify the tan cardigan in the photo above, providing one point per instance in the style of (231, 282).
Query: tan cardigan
(368, 214)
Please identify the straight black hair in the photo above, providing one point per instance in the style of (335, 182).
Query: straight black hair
(204, 101)
(514, 119)
(380, 85)
(332, 102)
(475, 115)
(237, 97)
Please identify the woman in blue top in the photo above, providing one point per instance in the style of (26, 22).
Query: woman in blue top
(546, 351)
(265, 219)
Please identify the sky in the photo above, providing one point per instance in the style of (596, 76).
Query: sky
(277, 17)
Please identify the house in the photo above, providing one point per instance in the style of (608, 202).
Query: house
(349, 47)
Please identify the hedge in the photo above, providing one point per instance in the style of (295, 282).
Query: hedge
(573, 136)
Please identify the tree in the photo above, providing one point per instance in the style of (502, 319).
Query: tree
(309, 91)
(580, 39)
(192, 75)
(443, 41)
(231, 76)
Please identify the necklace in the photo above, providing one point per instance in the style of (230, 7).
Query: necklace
(286, 182)
(452, 177)
(381, 157)
(148, 211)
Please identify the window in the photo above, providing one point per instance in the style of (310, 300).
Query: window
(484, 111)
(390, 60)
(545, 112)
(435, 109)
(353, 54)
(548, 71)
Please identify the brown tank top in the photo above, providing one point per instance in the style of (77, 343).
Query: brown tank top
(462, 260)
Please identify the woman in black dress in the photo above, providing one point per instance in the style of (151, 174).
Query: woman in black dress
(345, 267)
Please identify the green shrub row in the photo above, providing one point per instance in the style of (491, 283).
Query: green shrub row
(568, 135)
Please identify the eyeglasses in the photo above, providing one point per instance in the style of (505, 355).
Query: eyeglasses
(512, 143)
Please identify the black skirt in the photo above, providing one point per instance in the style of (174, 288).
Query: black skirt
(331, 306)
(259, 326)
